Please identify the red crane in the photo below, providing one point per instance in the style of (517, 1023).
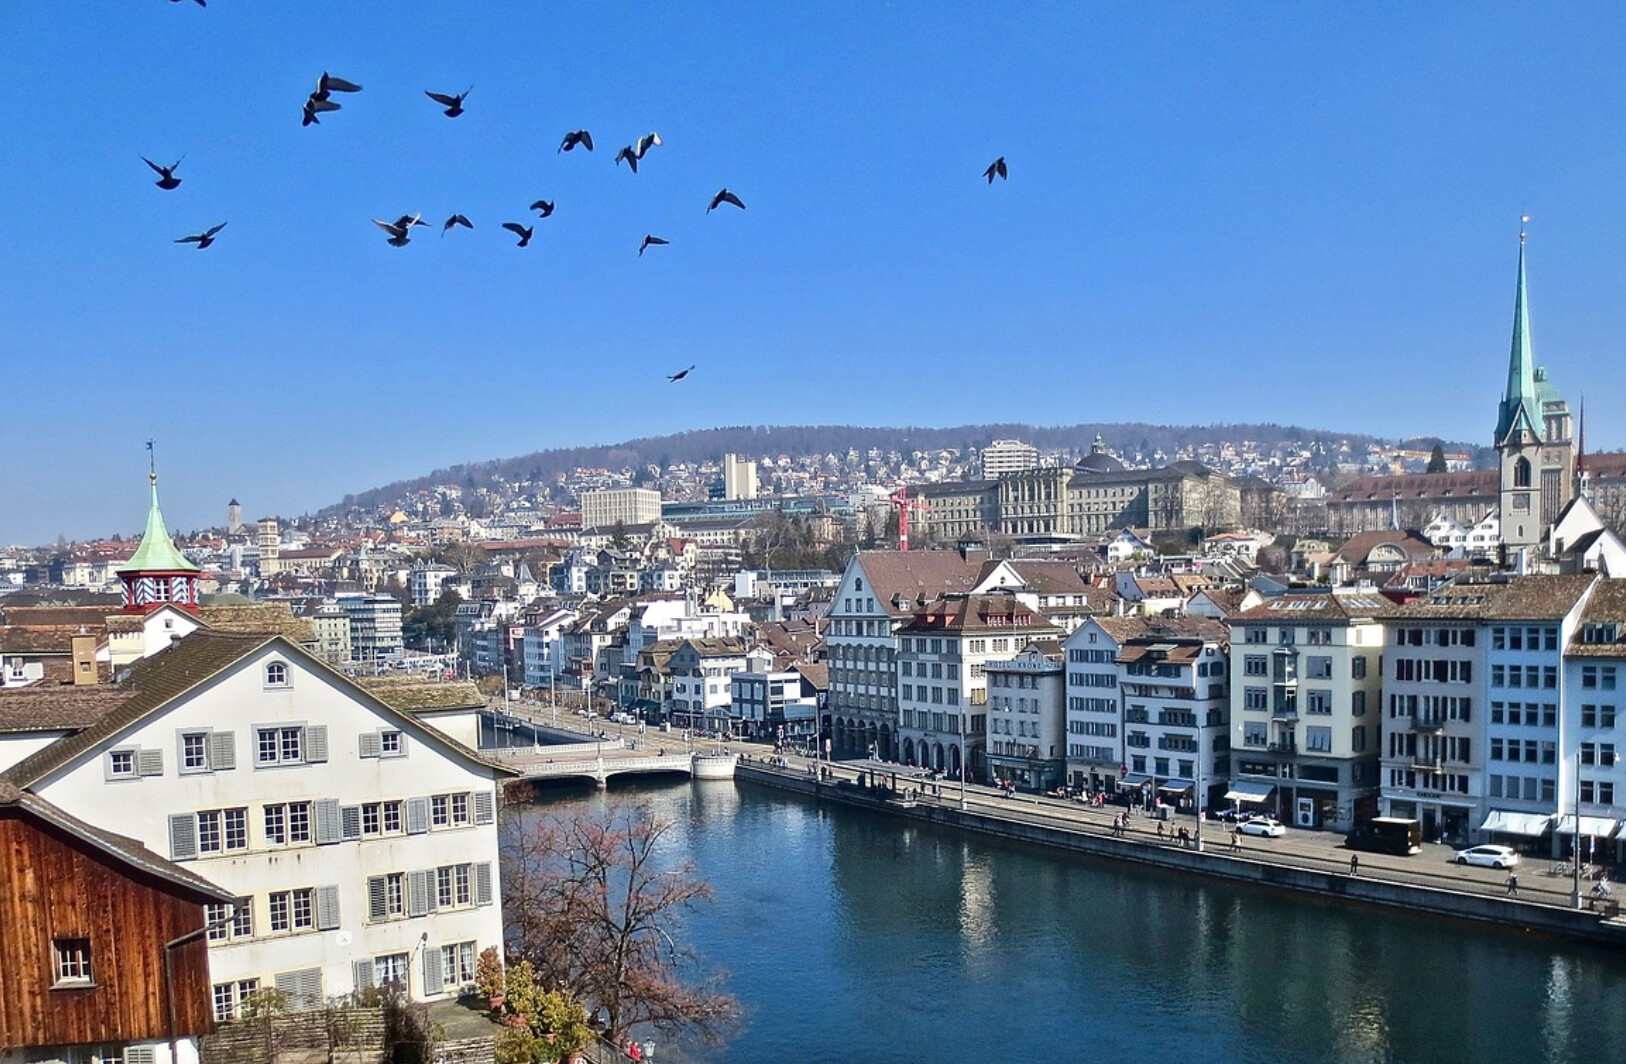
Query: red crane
(905, 504)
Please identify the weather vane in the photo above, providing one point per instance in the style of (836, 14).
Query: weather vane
(152, 463)
(1524, 220)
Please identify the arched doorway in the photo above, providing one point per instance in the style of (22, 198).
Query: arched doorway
(954, 761)
(886, 748)
(908, 751)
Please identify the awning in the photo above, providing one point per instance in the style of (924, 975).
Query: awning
(1175, 786)
(644, 705)
(1599, 827)
(1242, 791)
(1530, 825)
(1134, 780)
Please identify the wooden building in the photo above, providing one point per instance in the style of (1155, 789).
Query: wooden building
(86, 920)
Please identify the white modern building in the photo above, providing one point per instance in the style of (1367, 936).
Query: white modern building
(1008, 456)
(361, 844)
(375, 627)
(627, 506)
(739, 477)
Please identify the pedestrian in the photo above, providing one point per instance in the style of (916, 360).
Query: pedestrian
(1160, 833)
(1236, 839)
(1513, 882)
(1354, 864)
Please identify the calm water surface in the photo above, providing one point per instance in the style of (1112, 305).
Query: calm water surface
(855, 937)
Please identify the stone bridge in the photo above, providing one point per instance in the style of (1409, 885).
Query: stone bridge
(598, 768)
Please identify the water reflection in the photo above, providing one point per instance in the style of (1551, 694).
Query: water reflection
(854, 936)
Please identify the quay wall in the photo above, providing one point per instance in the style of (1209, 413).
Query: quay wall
(1247, 867)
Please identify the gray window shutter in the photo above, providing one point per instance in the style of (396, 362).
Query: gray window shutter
(350, 822)
(417, 810)
(368, 744)
(310, 987)
(482, 883)
(183, 837)
(327, 821)
(139, 1055)
(377, 901)
(327, 908)
(434, 981)
(363, 970)
(222, 750)
(484, 805)
(418, 893)
(315, 743)
(149, 762)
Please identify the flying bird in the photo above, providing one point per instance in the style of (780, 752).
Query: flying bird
(545, 206)
(327, 84)
(200, 3)
(455, 220)
(629, 155)
(314, 107)
(722, 197)
(166, 174)
(453, 104)
(650, 241)
(580, 136)
(679, 375)
(400, 230)
(203, 239)
(520, 231)
(647, 141)
(996, 169)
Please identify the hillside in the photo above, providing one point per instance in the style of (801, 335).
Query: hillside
(1135, 440)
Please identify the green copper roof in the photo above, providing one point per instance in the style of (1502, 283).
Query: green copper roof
(157, 552)
(1520, 407)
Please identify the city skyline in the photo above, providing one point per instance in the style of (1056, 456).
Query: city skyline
(1309, 216)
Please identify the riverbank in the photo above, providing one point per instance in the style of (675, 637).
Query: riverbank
(1310, 866)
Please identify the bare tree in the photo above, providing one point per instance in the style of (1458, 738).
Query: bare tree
(592, 905)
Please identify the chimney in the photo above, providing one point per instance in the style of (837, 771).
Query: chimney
(84, 660)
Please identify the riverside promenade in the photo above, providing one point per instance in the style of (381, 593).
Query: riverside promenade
(1306, 862)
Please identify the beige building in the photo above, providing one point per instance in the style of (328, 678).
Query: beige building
(629, 506)
(739, 477)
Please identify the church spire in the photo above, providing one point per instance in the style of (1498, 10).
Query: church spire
(157, 572)
(1518, 412)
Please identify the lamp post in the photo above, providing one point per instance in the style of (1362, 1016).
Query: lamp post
(1575, 843)
(1202, 797)
(963, 766)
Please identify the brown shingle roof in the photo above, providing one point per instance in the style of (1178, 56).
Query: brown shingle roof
(261, 618)
(92, 617)
(412, 695)
(1051, 578)
(1320, 607)
(1524, 598)
(902, 580)
(38, 639)
(1471, 483)
(1607, 605)
(56, 708)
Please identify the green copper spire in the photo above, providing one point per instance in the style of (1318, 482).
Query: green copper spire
(157, 553)
(1520, 410)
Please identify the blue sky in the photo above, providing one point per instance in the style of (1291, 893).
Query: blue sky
(1298, 213)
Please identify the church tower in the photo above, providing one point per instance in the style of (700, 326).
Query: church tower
(1534, 439)
(158, 573)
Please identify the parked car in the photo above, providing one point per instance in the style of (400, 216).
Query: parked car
(1489, 856)
(1267, 826)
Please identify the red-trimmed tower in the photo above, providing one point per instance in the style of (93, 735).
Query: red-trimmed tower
(158, 574)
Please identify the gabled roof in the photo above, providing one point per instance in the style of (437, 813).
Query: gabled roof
(1607, 605)
(153, 682)
(902, 580)
(56, 707)
(1525, 598)
(1359, 547)
(126, 851)
(1320, 606)
(418, 696)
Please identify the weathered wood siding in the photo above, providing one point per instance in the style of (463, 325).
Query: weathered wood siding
(53, 885)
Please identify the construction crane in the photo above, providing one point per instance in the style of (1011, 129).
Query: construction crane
(905, 505)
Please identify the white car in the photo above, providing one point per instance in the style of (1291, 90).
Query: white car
(1489, 856)
(1267, 826)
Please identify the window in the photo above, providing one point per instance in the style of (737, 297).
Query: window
(280, 745)
(293, 910)
(1357, 667)
(1257, 635)
(1318, 668)
(227, 921)
(276, 674)
(457, 964)
(287, 823)
(229, 998)
(72, 961)
(1598, 677)
(222, 830)
(195, 752)
(454, 886)
(1255, 665)
(121, 764)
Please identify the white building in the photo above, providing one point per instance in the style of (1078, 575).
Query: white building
(1027, 720)
(739, 477)
(361, 843)
(701, 673)
(628, 506)
(375, 627)
(426, 581)
(1008, 456)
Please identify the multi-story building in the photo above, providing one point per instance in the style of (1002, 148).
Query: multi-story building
(701, 671)
(332, 626)
(1592, 776)
(628, 506)
(879, 593)
(318, 806)
(1173, 687)
(1094, 713)
(375, 627)
(1008, 456)
(1473, 685)
(425, 582)
(1306, 677)
(774, 705)
(739, 477)
(942, 657)
(1027, 725)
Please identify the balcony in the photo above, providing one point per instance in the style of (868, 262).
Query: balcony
(1285, 715)
(1287, 747)
(1431, 722)
(1420, 765)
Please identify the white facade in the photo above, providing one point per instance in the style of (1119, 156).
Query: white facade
(1027, 720)
(363, 843)
(739, 477)
(1093, 715)
(1008, 456)
(629, 506)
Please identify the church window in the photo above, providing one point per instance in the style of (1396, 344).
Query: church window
(1521, 473)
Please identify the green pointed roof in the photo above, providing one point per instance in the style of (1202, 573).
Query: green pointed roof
(157, 552)
(1520, 409)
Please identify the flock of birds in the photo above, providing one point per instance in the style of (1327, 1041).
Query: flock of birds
(399, 232)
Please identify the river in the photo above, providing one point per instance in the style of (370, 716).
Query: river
(850, 936)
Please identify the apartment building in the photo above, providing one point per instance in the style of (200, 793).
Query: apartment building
(1174, 687)
(1306, 677)
(629, 506)
(1027, 721)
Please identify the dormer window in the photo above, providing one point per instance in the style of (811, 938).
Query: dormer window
(276, 674)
